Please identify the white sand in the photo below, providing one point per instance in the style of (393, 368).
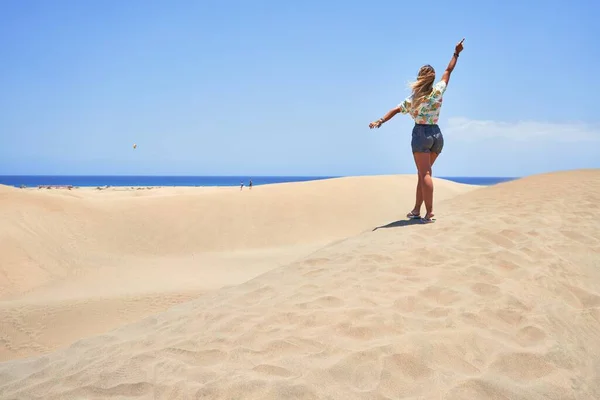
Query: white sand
(499, 299)
(83, 261)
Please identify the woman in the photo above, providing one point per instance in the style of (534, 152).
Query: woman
(424, 105)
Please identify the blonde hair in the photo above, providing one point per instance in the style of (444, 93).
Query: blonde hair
(423, 86)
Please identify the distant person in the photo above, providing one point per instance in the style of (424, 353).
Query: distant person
(241, 185)
(424, 105)
(250, 184)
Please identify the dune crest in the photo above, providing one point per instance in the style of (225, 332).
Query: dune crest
(81, 262)
(499, 299)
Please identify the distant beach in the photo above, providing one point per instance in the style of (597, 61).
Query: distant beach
(153, 181)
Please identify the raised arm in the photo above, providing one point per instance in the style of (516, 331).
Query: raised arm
(452, 64)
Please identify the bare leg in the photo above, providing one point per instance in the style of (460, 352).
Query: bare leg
(419, 198)
(419, 191)
(423, 161)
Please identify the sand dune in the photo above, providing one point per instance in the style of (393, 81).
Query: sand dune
(499, 299)
(80, 262)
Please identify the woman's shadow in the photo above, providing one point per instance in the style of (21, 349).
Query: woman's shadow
(399, 223)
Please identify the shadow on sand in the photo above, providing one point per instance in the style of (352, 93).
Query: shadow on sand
(399, 223)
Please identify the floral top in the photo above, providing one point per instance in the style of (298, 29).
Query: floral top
(428, 111)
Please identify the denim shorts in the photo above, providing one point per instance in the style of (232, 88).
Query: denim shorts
(427, 139)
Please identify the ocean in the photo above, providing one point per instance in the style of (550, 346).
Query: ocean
(94, 181)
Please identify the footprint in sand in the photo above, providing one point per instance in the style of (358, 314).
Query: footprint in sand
(405, 374)
(273, 370)
(530, 336)
(377, 258)
(439, 312)
(360, 370)
(476, 388)
(522, 366)
(195, 358)
(314, 272)
(586, 298)
(485, 289)
(322, 302)
(441, 295)
(313, 262)
(407, 365)
(578, 237)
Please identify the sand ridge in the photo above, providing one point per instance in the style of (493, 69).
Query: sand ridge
(499, 299)
(84, 261)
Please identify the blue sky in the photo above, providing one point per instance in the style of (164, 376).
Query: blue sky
(288, 88)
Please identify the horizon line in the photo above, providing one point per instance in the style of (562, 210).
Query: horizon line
(250, 176)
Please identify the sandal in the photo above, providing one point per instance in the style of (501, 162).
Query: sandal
(427, 220)
(412, 215)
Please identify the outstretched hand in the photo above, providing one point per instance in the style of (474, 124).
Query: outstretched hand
(375, 124)
(459, 46)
